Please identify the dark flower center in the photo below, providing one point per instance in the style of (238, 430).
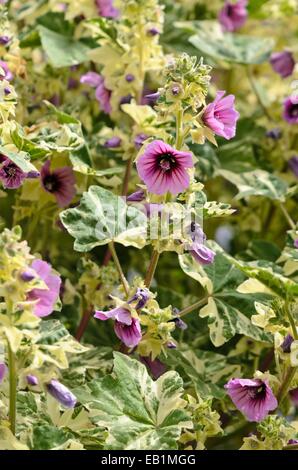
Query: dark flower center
(51, 183)
(166, 162)
(10, 171)
(294, 110)
(258, 392)
(229, 10)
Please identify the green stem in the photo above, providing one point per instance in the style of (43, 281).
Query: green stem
(291, 321)
(179, 129)
(119, 268)
(256, 92)
(283, 390)
(193, 307)
(152, 268)
(12, 389)
(287, 216)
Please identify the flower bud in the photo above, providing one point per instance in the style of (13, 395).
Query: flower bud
(61, 393)
(27, 276)
(113, 142)
(286, 345)
(32, 379)
(129, 77)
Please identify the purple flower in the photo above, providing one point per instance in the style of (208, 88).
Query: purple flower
(60, 183)
(113, 142)
(3, 371)
(221, 116)
(253, 397)
(140, 139)
(137, 196)
(5, 73)
(131, 334)
(293, 164)
(200, 252)
(11, 175)
(294, 396)
(153, 31)
(156, 367)
(129, 77)
(126, 327)
(141, 296)
(28, 275)
(126, 99)
(286, 344)
(292, 441)
(46, 298)
(290, 113)
(32, 380)
(102, 94)
(179, 323)
(164, 168)
(61, 393)
(4, 40)
(105, 8)
(282, 63)
(233, 15)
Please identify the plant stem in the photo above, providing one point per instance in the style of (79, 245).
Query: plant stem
(291, 321)
(179, 129)
(287, 216)
(83, 324)
(119, 268)
(152, 268)
(256, 92)
(283, 390)
(194, 306)
(12, 389)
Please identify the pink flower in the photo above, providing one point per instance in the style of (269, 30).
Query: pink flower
(102, 94)
(164, 168)
(221, 117)
(7, 75)
(106, 8)
(3, 371)
(290, 113)
(60, 183)
(253, 397)
(126, 327)
(11, 175)
(233, 15)
(46, 298)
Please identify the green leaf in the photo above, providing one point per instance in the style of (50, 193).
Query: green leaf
(46, 437)
(82, 163)
(139, 413)
(257, 183)
(103, 217)
(63, 51)
(21, 159)
(207, 370)
(62, 118)
(235, 48)
(227, 310)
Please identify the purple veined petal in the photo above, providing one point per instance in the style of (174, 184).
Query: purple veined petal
(46, 298)
(164, 168)
(221, 117)
(3, 371)
(59, 182)
(120, 314)
(290, 112)
(61, 393)
(253, 397)
(131, 334)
